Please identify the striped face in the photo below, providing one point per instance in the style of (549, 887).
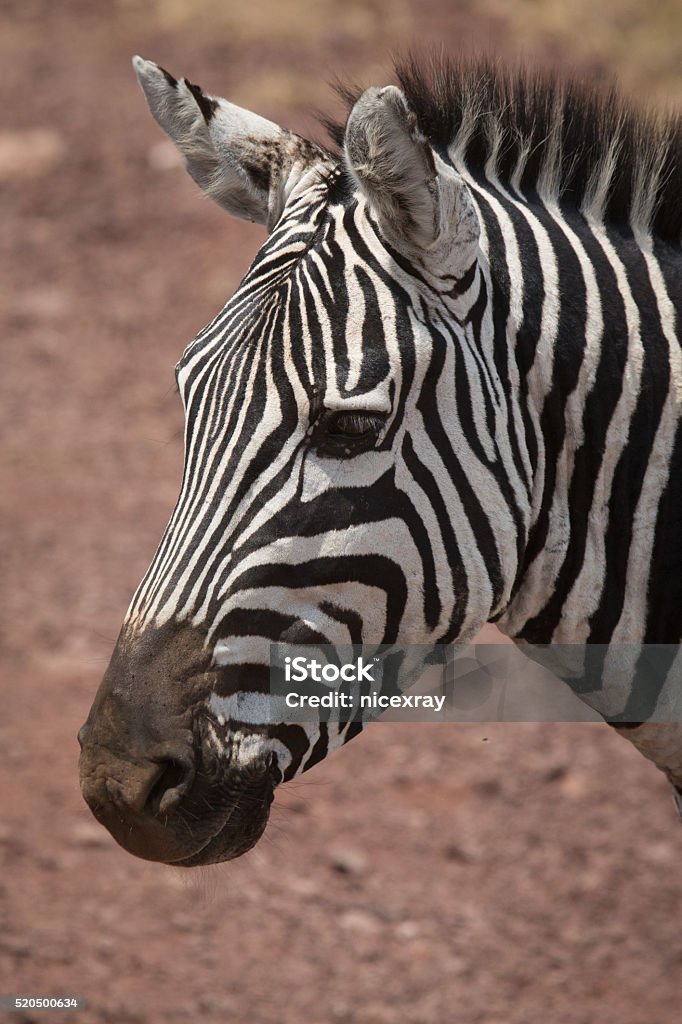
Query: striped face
(322, 431)
(343, 415)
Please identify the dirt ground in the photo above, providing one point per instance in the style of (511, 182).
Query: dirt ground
(506, 874)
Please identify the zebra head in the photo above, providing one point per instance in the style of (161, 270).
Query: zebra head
(346, 473)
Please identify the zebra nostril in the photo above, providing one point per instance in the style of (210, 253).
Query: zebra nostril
(169, 788)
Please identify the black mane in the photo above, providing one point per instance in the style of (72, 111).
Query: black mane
(622, 162)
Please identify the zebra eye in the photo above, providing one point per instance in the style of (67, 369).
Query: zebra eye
(347, 433)
(353, 425)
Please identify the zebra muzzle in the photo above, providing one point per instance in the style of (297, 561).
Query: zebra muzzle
(148, 771)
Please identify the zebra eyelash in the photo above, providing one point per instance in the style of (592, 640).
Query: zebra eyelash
(344, 434)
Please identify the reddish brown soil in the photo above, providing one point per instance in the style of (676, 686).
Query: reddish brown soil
(426, 874)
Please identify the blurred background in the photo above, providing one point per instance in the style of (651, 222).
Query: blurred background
(506, 874)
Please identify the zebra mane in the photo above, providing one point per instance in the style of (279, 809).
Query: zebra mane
(568, 139)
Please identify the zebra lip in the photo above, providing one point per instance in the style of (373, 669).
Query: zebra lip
(218, 849)
(238, 834)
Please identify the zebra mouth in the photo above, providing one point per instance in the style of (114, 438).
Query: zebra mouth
(221, 847)
(216, 813)
(241, 829)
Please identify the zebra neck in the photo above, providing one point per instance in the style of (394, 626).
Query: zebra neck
(590, 317)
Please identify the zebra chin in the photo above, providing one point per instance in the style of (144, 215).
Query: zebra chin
(154, 771)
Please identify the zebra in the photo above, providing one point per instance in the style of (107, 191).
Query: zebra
(447, 392)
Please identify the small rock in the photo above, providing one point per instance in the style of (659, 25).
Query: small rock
(453, 851)
(347, 860)
(30, 153)
(661, 853)
(556, 773)
(573, 785)
(359, 921)
(408, 930)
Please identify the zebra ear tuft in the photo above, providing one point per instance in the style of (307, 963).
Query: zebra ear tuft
(247, 164)
(419, 200)
(206, 104)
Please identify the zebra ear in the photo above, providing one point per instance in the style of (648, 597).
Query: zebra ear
(247, 164)
(419, 200)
